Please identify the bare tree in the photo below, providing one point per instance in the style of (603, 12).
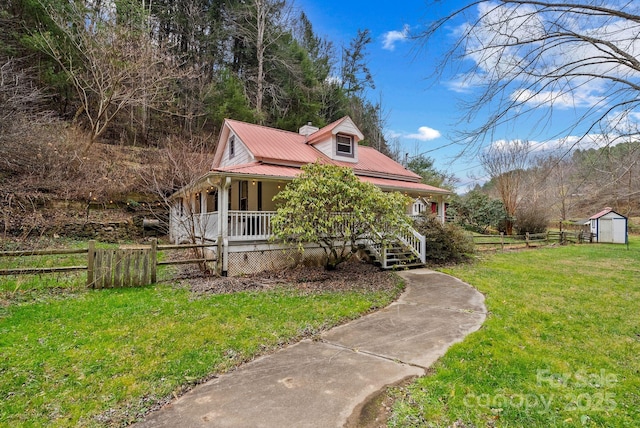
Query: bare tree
(112, 64)
(557, 178)
(506, 164)
(22, 110)
(183, 162)
(609, 176)
(531, 57)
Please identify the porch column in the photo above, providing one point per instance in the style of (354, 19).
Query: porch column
(192, 204)
(441, 209)
(203, 201)
(223, 206)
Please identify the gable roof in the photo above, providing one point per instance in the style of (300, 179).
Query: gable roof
(321, 133)
(271, 144)
(604, 212)
(279, 153)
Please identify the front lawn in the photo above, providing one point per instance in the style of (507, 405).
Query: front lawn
(560, 346)
(103, 357)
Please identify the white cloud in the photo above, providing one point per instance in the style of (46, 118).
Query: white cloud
(465, 83)
(390, 38)
(507, 45)
(568, 144)
(583, 97)
(391, 134)
(425, 134)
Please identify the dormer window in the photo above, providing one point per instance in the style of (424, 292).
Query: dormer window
(232, 146)
(344, 145)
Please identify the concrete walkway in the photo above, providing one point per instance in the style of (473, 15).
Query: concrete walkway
(321, 383)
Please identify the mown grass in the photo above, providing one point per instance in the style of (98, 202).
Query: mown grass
(102, 357)
(28, 287)
(560, 346)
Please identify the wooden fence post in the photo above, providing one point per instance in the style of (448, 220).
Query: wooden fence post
(526, 238)
(91, 255)
(502, 241)
(154, 260)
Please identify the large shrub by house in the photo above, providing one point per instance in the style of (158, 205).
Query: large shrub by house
(330, 206)
(446, 242)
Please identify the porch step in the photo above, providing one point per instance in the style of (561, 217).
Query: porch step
(398, 257)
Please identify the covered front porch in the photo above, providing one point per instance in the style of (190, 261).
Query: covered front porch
(234, 213)
(239, 209)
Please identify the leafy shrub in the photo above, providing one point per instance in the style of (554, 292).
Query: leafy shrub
(330, 206)
(445, 242)
(477, 212)
(531, 218)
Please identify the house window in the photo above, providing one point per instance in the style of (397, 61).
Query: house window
(232, 146)
(244, 195)
(344, 145)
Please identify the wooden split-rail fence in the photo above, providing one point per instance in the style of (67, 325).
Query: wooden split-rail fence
(125, 266)
(530, 240)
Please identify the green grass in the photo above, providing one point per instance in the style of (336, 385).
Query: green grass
(102, 357)
(560, 346)
(26, 287)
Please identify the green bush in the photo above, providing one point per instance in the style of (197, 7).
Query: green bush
(531, 218)
(477, 212)
(445, 242)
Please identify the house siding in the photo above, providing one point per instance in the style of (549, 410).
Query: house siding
(347, 127)
(326, 147)
(242, 154)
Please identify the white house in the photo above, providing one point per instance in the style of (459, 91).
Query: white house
(231, 206)
(609, 226)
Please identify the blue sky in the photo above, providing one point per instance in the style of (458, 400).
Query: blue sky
(423, 111)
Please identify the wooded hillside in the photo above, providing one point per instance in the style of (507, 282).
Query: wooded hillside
(101, 99)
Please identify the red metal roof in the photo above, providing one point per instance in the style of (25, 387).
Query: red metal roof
(372, 161)
(280, 153)
(275, 144)
(258, 169)
(601, 213)
(605, 211)
(264, 170)
(317, 136)
(403, 185)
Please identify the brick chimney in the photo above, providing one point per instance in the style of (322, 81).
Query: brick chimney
(308, 129)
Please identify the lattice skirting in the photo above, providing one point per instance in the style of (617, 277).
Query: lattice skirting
(247, 261)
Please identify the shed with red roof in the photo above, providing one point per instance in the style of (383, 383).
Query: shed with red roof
(609, 226)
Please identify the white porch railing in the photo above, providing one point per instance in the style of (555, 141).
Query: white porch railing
(199, 226)
(256, 225)
(250, 225)
(416, 242)
(206, 225)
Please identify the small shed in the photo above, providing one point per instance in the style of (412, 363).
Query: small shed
(609, 226)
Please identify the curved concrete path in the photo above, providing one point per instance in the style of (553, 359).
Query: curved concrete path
(321, 383)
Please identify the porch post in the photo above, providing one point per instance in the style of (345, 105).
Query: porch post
(223, 224)
(203, 201)
(441, 209)
(223, 206)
